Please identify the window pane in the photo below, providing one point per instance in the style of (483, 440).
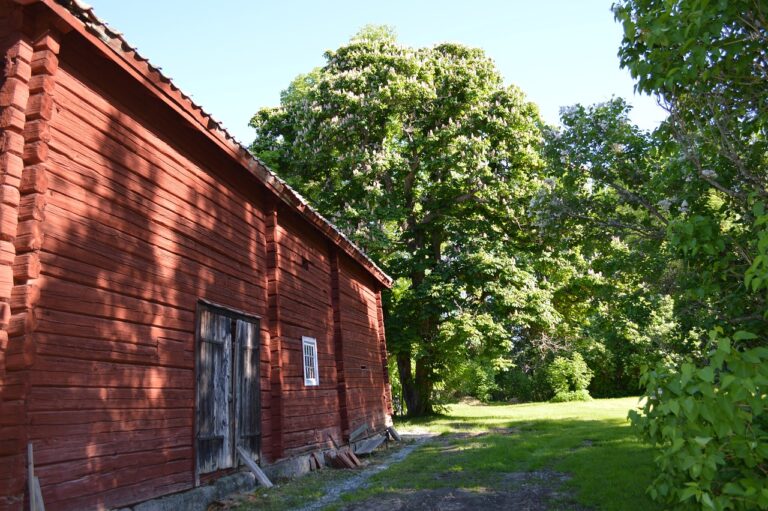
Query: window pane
(309, 350)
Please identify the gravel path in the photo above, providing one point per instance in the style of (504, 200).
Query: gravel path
(360, 480)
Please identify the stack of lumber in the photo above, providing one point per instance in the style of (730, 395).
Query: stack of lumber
(361, 441)
(343, 458)
(314, 462)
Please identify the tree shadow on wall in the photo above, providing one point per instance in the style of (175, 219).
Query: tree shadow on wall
(136, 229)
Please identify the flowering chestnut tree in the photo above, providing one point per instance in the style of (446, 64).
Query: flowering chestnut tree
(428, 161)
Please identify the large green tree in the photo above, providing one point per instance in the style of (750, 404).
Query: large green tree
(706, 62)
(607, 197)
(428, 161)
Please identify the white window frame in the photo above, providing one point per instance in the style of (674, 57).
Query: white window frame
(311, 343)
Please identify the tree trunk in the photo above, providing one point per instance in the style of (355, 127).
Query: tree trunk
(406, 379)
(417, 392)
(423, 387)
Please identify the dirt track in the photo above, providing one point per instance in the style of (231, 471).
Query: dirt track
(521, 491)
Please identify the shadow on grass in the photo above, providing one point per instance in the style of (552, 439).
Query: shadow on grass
(525, 446)
(609, 468)
(556, 456)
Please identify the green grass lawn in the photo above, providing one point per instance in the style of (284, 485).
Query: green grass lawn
(591, 441)
(480, 447)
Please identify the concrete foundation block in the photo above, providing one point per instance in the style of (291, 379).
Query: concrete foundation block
(288, 468)
(198, 499)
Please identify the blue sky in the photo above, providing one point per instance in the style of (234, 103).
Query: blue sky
(235, 56)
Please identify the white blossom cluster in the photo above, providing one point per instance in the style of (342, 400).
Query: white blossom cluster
(666, 204)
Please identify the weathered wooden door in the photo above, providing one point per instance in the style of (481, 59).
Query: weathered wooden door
(248, 409)
(228, 412)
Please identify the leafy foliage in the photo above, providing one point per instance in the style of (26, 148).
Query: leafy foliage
(428, 162)
(516, 384)
(709, 417)
(569, 378)
(605, 202)
(706, 62)
(712, 426)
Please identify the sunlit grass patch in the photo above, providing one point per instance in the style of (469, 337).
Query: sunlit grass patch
(605, 467)
(579, 455)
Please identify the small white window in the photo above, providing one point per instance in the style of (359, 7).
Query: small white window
(309, 347)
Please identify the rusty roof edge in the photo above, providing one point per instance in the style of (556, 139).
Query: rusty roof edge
(114, 40)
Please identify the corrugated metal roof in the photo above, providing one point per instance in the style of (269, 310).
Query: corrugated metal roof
(115, 41)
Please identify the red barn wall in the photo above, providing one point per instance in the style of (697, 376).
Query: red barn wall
(136, 231)
(14, 92)
(127, 215)
(364, 366)
(311, 414)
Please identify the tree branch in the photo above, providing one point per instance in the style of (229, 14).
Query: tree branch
(638, 200)
(465, 197)
(616, 224)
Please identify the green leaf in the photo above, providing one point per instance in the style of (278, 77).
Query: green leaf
(707, 374)
(742, 335)
(690, 491)
(726, 380)
(702, 441)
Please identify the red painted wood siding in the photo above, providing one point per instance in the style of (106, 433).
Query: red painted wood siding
(366, 389)
(135, 232)
(310, 412)
(14, 357)
(124, 215)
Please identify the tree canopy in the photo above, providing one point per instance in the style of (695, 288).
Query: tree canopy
(428, 161)
(534, 261)
(706, 61)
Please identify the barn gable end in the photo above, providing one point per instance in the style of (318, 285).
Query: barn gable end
(125, 211)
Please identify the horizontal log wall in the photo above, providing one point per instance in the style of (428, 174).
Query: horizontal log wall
(366, 390)
(136, 231)
(16, 53)
(117, 216)
(310, 413)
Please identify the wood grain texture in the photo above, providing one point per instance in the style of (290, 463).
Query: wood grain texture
(117, 217)
(16, 349)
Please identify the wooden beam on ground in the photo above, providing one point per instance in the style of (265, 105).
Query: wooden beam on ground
(359, 432)
(253, 467)
(394, 434)
(370, 445)
(31, 479)
(346, 459)
(354, 458)
(39, 495)
(314, 463)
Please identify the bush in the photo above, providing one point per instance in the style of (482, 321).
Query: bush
(469, 378)
(711, 425)
(569, 378)
(571, 395)
(522, 386)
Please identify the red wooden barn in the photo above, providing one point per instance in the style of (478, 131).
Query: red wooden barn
(164, 297)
